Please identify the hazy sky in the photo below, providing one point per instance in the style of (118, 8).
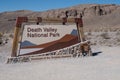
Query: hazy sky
(41, 5)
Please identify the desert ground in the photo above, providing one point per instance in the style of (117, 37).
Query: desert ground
(103, 66)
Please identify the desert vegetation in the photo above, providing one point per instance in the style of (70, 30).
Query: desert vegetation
(1, 41)
(105, 35)
(4, 38)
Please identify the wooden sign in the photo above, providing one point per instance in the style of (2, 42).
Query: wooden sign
(42, 38)
(35, 36)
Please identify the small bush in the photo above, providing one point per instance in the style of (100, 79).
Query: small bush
(1, 34)
(118, 33)
(11, 36)
(118, 40)
(89, 33)
(1, 41)
(105, 36)
(1, 38)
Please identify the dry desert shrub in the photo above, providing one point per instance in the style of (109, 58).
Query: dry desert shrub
(118, 40)
(93, 43)
(110, 29)
(106, 30)
(117, 33)
(89, 33)
(105, 36)
(1, 38)
(1, 34)
(11, 35)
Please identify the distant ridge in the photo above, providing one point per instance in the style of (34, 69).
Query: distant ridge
(94, 15)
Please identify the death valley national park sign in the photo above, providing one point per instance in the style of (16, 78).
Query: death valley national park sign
(38, 39)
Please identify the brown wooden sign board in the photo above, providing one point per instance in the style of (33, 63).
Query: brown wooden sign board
(41, 28)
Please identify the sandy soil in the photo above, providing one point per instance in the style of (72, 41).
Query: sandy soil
(104, 66)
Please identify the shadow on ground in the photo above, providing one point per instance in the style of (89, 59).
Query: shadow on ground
(96, 53)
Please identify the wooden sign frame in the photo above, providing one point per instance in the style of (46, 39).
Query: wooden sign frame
(38, 20)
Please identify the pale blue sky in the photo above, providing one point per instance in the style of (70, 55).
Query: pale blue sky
(41, 5)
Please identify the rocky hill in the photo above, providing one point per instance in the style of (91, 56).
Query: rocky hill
(94, 16)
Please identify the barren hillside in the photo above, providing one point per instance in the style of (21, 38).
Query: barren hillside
(94, 16)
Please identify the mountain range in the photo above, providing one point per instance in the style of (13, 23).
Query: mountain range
(27, 43)
(94, 15)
